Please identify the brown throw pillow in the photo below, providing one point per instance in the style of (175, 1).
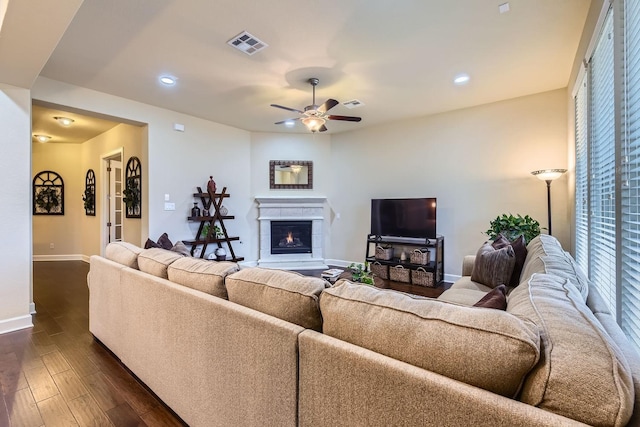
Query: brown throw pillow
(493, 267)
(520, 249)
(151, 244)
(497, 298)
(164, 242)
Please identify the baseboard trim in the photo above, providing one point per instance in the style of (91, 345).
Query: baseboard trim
(32, 307)
(15, 324)
(71, 257)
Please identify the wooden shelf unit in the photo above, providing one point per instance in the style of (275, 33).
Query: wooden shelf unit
(436, 265)
(213, 206)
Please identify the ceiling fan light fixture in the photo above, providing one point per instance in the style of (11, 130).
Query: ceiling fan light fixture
(313, 123)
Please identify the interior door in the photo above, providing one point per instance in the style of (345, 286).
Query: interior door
(114, 221)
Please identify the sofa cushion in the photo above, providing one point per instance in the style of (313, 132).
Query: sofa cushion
(520, 249)
(496, 299)
(541, 245)
(493, 267)
(465, 282)
(202, 275)
(565, 266)
(464, 343)
(284, 294)
(462, 296)
(155, 261)
(123, 253)
(582, 373)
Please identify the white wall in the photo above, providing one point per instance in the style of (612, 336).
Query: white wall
(15, 193)
(177, 162)
(476, 161)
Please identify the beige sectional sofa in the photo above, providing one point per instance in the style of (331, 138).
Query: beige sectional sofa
(223, 346)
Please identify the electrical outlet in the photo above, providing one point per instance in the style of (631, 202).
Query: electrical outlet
(51, 246)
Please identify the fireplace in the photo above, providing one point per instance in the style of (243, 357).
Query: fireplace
(291, 237)
(291, 232)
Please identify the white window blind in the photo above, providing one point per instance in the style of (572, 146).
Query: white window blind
(630, 191)
(602, 226)
(582, 176)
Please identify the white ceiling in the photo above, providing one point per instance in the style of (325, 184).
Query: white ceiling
(397, 57)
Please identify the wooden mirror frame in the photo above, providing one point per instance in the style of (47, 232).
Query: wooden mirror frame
(279, 186)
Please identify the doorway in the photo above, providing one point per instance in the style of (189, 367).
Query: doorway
(113, 230)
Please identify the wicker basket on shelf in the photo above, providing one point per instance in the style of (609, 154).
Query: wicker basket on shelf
(422, 277)
(379, 270)
(420, 256)
(398, 273)
(383, 253)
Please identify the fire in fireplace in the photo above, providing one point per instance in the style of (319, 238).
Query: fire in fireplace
(290, 237)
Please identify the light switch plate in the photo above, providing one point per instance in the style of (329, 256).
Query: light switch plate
(169, 206)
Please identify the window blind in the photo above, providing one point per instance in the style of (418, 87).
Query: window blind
(630, 191)
(582, 176)
(602, 224)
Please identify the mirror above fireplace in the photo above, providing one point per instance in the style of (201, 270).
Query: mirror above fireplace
(290, 174)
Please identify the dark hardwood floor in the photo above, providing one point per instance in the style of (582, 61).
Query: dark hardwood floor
(57, 374)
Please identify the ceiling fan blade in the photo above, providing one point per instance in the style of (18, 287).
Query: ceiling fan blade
(287, 108)
(322, 129)
(345, 118)
(328, 105)
(284, 121)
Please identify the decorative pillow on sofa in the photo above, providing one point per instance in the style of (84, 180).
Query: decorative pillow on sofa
(181, 248)
(151, 244)
(520, 249)
(492, 266)
(163, 242)
(459, 342)
(497, 299)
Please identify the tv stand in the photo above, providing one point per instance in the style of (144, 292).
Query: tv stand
(407, 245)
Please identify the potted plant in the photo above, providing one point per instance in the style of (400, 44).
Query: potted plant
(360, 273)
(131, 195)
(217, 231)
(89, 199)
(513, 226)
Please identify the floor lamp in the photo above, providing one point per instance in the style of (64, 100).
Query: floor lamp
(548, 175)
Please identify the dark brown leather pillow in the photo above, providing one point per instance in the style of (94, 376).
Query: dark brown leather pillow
(520, 249)
(496, 298)
(493, 267)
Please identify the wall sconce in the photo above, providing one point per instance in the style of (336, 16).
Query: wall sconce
(64, 121)
(548, 175)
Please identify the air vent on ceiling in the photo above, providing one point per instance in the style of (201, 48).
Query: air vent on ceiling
(247, 43)
(353, 103)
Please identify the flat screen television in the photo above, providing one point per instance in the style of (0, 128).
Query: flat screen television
(404, 217)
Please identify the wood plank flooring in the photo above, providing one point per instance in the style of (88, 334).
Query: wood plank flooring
(57, 374)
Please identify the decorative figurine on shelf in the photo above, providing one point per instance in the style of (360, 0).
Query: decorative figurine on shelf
(195, 210)
(205, 212)
(221, 254)
(223, 211)
(211, 187)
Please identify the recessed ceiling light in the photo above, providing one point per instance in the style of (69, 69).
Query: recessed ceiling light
(289, 123)
(168, 80)
(42, 138)
(64, 121)
(461, 79)
(504, 8)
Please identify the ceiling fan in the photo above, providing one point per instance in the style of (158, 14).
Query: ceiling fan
(314, 117)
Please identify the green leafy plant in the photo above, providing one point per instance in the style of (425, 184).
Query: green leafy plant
(513, 226)
(360, 273)
(131, 194)
(47, 199)
(216, 230)
(89, 199)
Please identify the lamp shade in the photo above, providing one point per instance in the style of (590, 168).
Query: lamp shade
(548, 174)
(313, 123)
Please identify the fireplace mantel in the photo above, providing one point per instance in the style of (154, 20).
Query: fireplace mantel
(291, 208)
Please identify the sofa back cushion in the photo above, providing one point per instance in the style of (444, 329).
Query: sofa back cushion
(202, 275)
(155, 261)
(582, 374)
(490, 349)
(287, 295)
(123, 253)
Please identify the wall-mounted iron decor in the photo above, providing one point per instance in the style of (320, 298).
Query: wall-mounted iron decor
(133, 188)
(89, 196)
(48, 194)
